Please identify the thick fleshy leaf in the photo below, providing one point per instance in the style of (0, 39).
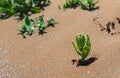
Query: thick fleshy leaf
(36, 9)
(83, 6)
(86, 48)
(43, 26)
(22, 26)
(83, 45)
(85, 52)
(32, 3)
(29, 28)
(80, 40)
(28, 25)
(51, 20)
(77, 51)
(27, 21)
(65, 6)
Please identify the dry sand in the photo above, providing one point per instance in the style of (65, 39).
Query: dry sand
(50, 55)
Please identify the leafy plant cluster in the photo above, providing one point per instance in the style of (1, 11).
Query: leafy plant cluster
(21, 7)
(28, 27)
(85, 4)
(82, 46)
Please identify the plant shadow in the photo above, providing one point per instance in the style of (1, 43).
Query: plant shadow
(20, 18)
(52, 25)
(42, 32)
(24, 35)
(93, 9)
(1, 16)
(74, 6)
(84, 63)
(42, 6)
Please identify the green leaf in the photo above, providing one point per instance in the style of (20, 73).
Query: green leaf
(27, 28)
(65, 6)
(83, 6)
(40, 21)
(36, 10)
(20, 1)
(28, 25)
(77, 51)
(32, 3)
(22, 26)
(27, 21)
(86, 48)
(80, 40)
(43, 26)
(85, 52)
(51, 21)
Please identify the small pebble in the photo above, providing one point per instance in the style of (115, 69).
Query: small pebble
(88, 72)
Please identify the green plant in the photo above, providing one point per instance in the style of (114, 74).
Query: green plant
(26, 28)
(82, 46)
(88, 4)
(85, 4)
(40, 24)
(30, 24)
(51, 21)
(21, 7)
(70, 4)
(6, 7)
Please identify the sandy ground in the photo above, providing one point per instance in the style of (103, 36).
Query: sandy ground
(50, 55)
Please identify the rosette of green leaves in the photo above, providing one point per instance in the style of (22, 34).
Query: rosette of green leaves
(70, 4)
(40, 24)
(36, 4)
(34, 7)
(51, 21)
(26, 28)
(87, 4)
(83, 46)
(22, 7)
(6, 7)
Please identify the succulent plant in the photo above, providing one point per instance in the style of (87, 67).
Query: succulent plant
(83, 46)
(51, 21)
(26, 28)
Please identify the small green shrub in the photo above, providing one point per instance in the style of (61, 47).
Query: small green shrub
(21, 7)
(30, 24)
(50, 21)
(70, 4)
(26, 28)
(6, 7)
(83, 46)
(87, 4)
(39, 24)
